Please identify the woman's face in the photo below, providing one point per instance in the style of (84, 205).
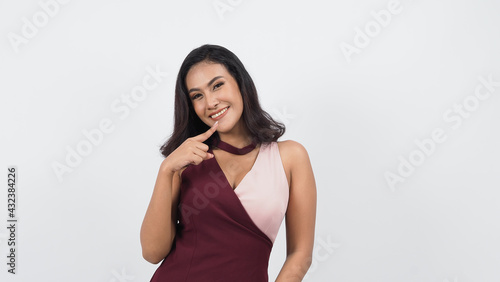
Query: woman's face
(215, 95)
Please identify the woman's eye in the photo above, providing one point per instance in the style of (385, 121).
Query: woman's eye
(196, 96)
(218, 85)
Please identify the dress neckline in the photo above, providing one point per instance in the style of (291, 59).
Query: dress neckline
(257, 159)
(234, 150)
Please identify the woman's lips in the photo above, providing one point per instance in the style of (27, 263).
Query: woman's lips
(220, 114)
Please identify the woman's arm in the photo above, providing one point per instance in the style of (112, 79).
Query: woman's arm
(300, 217)
(158, 226)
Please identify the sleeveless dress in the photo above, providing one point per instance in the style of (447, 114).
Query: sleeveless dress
(224, 234)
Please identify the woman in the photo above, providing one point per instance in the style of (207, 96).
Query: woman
(226, 184)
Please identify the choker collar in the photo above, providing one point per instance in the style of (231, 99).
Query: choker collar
(233, 150)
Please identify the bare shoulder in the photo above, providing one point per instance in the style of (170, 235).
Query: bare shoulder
(293, 156)
(290, 149)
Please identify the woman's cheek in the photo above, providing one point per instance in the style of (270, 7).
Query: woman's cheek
(198, 108)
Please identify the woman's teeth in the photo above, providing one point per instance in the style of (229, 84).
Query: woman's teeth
(219, 113)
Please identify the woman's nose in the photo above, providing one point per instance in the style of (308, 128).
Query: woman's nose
(212, 101)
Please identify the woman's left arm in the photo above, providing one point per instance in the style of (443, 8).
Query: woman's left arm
(300, 217)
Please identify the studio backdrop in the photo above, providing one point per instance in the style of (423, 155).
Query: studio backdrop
(396, 102)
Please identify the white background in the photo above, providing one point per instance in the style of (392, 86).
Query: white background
(357, 114)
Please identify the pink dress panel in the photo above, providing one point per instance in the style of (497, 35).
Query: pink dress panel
(264, 191)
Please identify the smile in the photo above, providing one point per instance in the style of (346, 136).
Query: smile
(220, 113)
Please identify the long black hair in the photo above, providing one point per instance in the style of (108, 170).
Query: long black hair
(262, 127)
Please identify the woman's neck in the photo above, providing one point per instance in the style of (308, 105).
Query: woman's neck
(239, 136)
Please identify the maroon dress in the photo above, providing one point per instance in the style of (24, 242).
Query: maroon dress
(216, 239)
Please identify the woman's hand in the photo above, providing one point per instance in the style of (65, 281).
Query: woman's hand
(191, 151)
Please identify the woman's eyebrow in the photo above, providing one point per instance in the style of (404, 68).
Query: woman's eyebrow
(208, 84)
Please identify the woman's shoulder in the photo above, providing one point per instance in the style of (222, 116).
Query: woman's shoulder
(291, 150)
(291, 147)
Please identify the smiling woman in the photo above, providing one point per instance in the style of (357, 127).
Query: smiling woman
(226, 183)
(220, 99)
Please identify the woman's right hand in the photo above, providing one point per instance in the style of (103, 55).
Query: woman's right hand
(191, 151)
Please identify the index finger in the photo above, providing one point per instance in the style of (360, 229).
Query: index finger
(204, 136)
